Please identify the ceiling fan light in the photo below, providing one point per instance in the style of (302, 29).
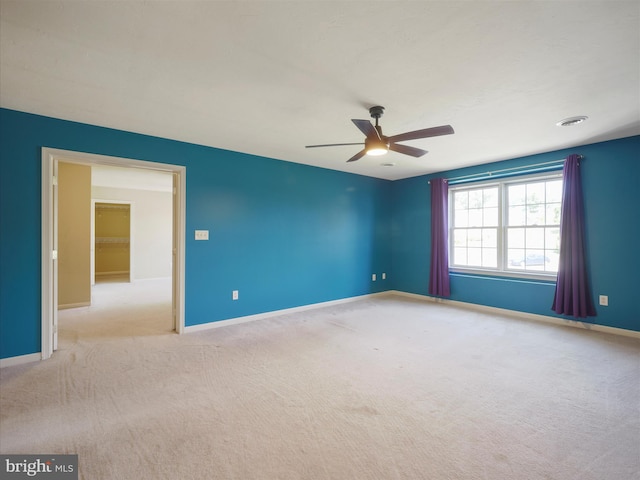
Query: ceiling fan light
(376, 147)
(377, 151)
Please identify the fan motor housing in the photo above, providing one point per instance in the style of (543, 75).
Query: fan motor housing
(376, 112)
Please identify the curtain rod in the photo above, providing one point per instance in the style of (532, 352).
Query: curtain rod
(523, 168)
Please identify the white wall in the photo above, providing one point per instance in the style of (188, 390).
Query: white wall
(151, 232)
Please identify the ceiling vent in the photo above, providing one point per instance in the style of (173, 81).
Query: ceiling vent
(568, 122)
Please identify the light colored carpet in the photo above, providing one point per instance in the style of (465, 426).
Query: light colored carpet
(382, 388)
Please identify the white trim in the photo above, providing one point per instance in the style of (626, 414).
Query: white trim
(275, 313)
(20, 360)
(50, 157)
(66, 306)
(179, 227)
(115, 273)
(502, 269)
(49, 307)
(498, 274)
(523, 315)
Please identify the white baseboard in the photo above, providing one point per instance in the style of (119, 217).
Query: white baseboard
(113, 274)
(524, 315)
(34, 357)
(66, 306)
(260, 316)
(19, 360)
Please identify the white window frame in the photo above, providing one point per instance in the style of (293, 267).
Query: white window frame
(502, 183)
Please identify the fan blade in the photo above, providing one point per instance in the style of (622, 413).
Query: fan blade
(427, 132)
(333, 145)
(407, 150)
(357, 156)
(367, 128)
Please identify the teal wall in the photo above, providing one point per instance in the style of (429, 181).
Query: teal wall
(611, 183)
(288, 235)
(283, 234)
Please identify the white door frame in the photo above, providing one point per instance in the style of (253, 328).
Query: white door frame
(49, 282)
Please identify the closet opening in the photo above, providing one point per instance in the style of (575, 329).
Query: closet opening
(112, 242)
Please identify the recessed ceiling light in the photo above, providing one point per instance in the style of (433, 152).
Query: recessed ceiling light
(567, 122)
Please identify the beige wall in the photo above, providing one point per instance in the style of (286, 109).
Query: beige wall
(74, 235)
(151, 224)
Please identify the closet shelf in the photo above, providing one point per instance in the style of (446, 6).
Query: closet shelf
(102, 206)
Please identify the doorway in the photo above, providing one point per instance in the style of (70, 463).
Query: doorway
(50, 159)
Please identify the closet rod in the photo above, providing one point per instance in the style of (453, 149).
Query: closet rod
(100, 206)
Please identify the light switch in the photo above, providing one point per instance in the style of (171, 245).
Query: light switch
(202, 234)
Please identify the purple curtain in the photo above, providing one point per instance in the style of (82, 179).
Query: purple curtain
(572, 296)
(439, 274)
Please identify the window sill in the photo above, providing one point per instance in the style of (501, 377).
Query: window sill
(539, 277)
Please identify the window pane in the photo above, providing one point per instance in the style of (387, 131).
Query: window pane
(553, 214)
(535, 260)
(474, 257)
(461, 218)
(491, 217)
(552, 239)
(490, 197)
(460, 256)
(460, 238)
(517, 194)
(535, 193)
(461, 200)
(517, 216)
(490, 257)
(515, 238)
(475, 217)
(515, 258)
(535, 214)
(489, 237)
(474, 238)
(554, 191)
(475, 199)
(554, 260)
(535, 238)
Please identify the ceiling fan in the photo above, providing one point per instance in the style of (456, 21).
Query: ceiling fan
(375, 143)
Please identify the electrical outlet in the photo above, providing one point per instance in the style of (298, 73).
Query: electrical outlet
(234, 295)
(604, 300)
(384, 276)
(373, 277)
(202, 234)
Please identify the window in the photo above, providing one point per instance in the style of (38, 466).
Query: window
(510, 226)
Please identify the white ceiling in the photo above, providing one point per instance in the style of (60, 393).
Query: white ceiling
(269, 77)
